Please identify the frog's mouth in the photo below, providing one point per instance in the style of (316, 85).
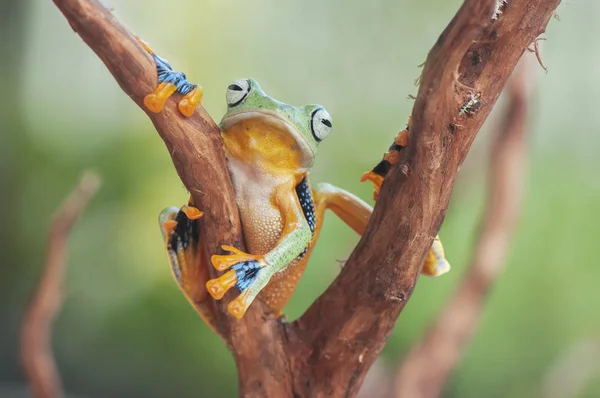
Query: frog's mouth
(272, 119)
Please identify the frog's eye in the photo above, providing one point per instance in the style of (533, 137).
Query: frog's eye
(320, 124)
(237, 92)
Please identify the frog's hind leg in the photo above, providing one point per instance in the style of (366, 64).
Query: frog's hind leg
(251, 273)
(181, 236)
(356, 213)
(170, 82)
(351, 209)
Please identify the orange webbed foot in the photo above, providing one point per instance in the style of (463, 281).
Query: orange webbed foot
(238, 307)
(155, 102)
(244, 274)
(391, 157)
(376, 179)
(219, 286)
(226, 261)
(169, 82)
(168, 227)
(191, 212)
(187, 105)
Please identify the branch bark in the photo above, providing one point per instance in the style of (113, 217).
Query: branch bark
(328, 350)
(429, 363)
(36, 330)
(197, 153)
(349, 324)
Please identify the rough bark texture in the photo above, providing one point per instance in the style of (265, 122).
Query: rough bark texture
(329, 349)
(197, 153)
(427, 366)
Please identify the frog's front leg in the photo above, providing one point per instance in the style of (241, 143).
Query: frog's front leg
(250, 273)
(169, 82)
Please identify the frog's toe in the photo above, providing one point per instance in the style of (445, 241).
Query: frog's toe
(187, 105)
(402, 139)
(193, 213)
(219, 286)
(224, 262)
(169, 82)
(376, 179)
(239, 306)
(167, 223)
(242, 275)
(155, 102)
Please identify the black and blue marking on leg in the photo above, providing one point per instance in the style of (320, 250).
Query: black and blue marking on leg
(182, 236)
(308, 208)
(246, 273)
(166, 74)
(169, 82)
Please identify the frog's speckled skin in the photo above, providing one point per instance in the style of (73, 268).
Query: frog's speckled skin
(270, 148)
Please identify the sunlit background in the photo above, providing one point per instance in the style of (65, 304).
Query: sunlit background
(126, 330)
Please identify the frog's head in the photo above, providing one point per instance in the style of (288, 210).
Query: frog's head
(260, 129)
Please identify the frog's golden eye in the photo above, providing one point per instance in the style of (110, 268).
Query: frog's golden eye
(320, 124)
(237, 92)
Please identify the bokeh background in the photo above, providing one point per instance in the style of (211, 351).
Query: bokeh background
(126, 330)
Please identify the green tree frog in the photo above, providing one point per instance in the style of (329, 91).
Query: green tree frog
(270, 147)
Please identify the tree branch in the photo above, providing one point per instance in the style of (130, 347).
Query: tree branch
(347, 327)
(328, 350)
(36, 330)
(429, 363)
(197, 153)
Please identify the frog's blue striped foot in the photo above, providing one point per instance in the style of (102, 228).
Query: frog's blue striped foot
(246, 272)
(170, 82)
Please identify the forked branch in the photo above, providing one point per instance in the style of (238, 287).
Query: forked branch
(328, 350)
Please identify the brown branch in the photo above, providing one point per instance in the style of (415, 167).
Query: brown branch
(328, 350)
(36, 330)
(197, 153)
(347, 327)
(429, 363)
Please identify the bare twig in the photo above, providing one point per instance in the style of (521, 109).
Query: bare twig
(427, 366)
(328, 350)
(36, 330)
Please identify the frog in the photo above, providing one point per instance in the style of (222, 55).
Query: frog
(270, 147)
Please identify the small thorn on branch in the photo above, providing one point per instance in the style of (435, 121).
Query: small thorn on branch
(36, 330)
(536, 50)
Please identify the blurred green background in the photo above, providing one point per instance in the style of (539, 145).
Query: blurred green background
(126, 330)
